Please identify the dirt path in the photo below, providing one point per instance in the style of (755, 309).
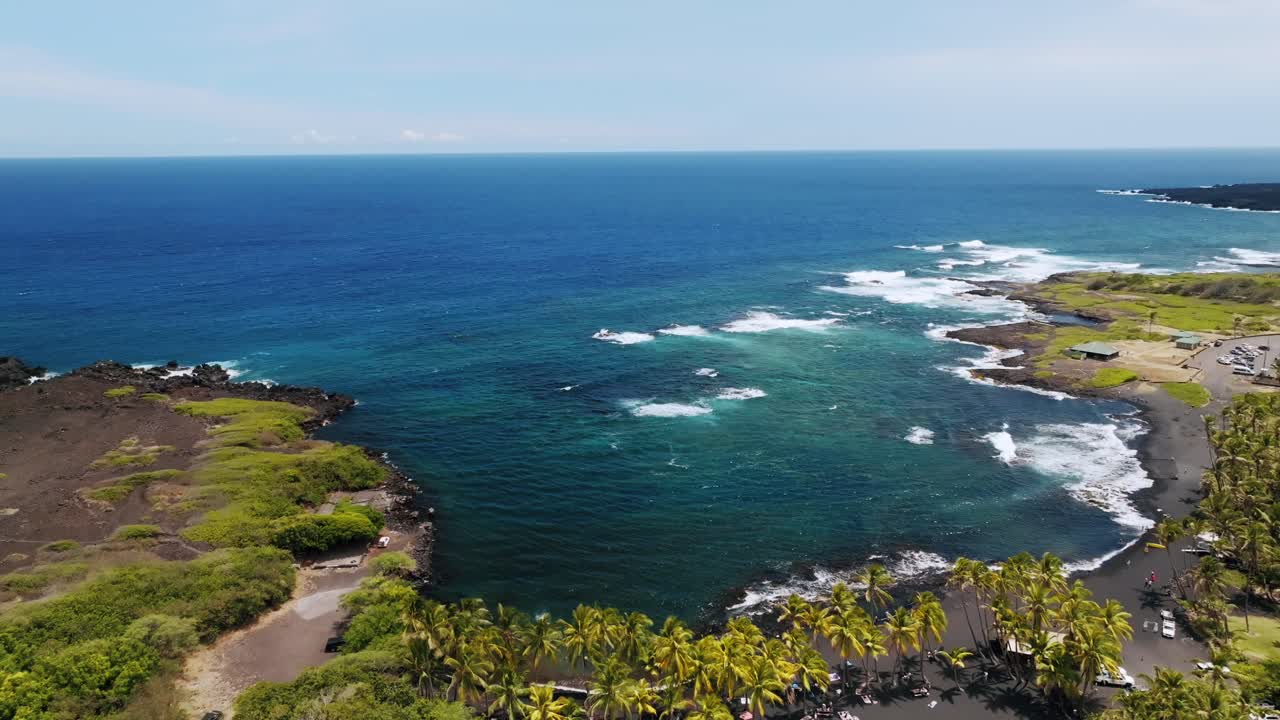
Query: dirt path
(277, 648)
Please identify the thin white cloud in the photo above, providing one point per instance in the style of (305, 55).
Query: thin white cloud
(447, 137)
(311, 137)
(412, 136)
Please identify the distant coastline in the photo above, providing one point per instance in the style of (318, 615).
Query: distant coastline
(1243, 197)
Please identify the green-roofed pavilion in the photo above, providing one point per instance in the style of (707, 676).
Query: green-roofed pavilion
(1095, 350)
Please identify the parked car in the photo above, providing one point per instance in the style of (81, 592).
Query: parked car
(1241, 370)
(1121, 678)
(1167, 629)
(1207, 666)
(384, 541)
(212, 715)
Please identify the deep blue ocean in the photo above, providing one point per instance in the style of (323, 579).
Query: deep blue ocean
(499, 319)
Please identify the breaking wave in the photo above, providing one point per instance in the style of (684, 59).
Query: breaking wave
(685, 330)
(758, 321)
(622, 338)
(741, 394)
(1002, 441)
(922, 248)
(1243, 257)
(707, 372)
(667, 410)
(909, 565)
(919, 436)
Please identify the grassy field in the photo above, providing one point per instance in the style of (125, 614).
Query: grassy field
(1112, 377)
(1262, 642)
(1188, 301)
(1193, 394)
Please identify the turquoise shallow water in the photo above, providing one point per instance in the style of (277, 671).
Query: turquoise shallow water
(458, 297)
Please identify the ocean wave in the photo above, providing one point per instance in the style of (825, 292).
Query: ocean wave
(923, 248)
(992, 359)
(1002, 441)
(622, 338)
(666, 410)
(952, 263)
(1104, 471)
(1123, 192)
(758, 321)
(47, 375)
(906, 566)
(685, 331)
(732, 393)
(1243, 257)
(707, 372)
(896, 286)
(1167, 201)
(919, 436)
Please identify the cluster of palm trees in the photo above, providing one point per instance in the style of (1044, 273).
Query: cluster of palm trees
(1025, 615)
(1242, 499)
(468, 653)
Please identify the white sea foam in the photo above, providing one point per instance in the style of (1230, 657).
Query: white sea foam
(909, 565)
(1123, 192)
(758, 321)
(1237, 257)
(919, 436)
(897, 287)
(1104, 471)
(567, 388)
(707, 372)
(685, 330)
(992, 359)
(1002, 441)
(923, 248)
(48, 375)
(667, 410)
(1165, 200)
(622, 338)
(732, 393)
(952, 263)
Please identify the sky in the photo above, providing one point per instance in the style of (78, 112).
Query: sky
(230, 77)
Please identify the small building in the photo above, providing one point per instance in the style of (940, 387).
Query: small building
(1094, 351)
(1188, 342)
(1177, 335)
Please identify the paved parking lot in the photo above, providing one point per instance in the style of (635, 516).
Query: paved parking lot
(1219, 379)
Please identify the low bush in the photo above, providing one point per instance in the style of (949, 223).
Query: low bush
(252, 423)
(136, 532)
(155, 397)
(317, 533)
(109, 494)
(1193, 394)
(60, 546)
(394, 563)
(39, 578)
(120, 392)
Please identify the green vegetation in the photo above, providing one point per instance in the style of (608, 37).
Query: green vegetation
(131, 452)
(109, 493)
(1260, 641)
(315, 533)
(140, 479)
(136, 532)
(1112, 377)
(251, 423)
(1217, 302)
(120, 392)
(1070, 335)
(393, 563)
(155, 397)
(42, 576)
(1193, 394)
(61, 546)
(86, 652)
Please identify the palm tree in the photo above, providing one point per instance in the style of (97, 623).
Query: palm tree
(541, 640)
(508, 694)
(673, 651)
(930, 619)
(963, 579)
(1095, 651)
(640, 698)
(632, 637)
(1151, 318)
(544, 705)
(711, 708)
(794, 611)
(845, 632)
(761, 685)
(876, 580)
(1169, 531)
(607, 693)
(471, 670)
(903, 633)
(582, 635)
(812, 671)
(816, 618)
(955, 660)
(424, 663)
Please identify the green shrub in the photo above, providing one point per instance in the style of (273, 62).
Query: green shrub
(1193, 394)
(316, 533)
(369, 684)
(170, 636)
(42, 576)
(375, 517)
(1112, 377)
(124, 391)
(131, 452)
(136, 532)
(155, 397)
(140, 479)
(394, 563)
(59, 546)
(252, 423)
(109, 494)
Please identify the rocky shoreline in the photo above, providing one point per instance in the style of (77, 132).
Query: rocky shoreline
(403, 509)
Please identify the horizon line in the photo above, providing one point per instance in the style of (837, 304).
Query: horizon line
(499, 153)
